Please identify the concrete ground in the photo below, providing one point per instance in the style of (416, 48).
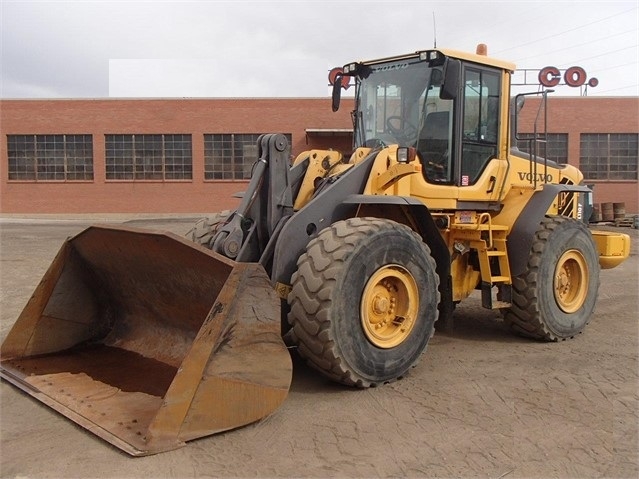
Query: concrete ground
(481, 403)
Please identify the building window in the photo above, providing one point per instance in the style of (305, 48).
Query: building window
(556, 146)
(50, 157)
(609, 156)
(230, 156)
(148, 157)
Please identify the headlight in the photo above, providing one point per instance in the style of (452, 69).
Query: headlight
(406, 154)
(429, 55)
(350, 68)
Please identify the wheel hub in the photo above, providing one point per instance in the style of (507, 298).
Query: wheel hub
(571, 281)
(380, 304)
(389, 306)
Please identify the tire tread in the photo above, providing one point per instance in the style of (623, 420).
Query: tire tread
(524, 316)
(310, 301)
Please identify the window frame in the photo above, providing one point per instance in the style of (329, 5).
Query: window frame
(231, 157)
(53, 158)
(142, 157)
(600, 158)
(551, 145)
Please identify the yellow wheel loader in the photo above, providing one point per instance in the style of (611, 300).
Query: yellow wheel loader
(150, 340)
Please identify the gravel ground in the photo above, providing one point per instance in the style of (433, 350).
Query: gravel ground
(481, 403)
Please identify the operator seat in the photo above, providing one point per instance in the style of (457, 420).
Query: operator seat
(432, 145)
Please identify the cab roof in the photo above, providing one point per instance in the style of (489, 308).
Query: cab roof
(470, 57)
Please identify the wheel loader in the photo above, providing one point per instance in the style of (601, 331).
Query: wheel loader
(150, 340)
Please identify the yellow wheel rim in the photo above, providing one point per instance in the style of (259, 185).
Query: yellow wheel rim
(571, 281)
(389, 306)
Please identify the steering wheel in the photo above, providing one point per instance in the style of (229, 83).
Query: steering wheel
(408, 132)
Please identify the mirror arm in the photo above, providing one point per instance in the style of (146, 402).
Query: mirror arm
(337, 91)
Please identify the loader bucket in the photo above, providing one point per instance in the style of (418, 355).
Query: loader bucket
(148, 340)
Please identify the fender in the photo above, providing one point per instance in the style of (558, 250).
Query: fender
(520, 239)
(423, 219)
(431, 235)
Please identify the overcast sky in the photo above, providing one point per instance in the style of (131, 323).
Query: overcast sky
(208, 48)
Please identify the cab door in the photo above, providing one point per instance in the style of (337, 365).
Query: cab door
(481, 164)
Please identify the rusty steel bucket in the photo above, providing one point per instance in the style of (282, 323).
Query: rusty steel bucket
(148, 340)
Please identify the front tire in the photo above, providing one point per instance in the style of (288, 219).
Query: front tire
(364, 301)
(554, 298)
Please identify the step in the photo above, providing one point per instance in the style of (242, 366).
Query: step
(480, 227)
(499, 279)
(500, 305)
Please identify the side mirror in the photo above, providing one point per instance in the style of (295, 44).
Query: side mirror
(516, 104)
(337, 92)
(452, 73)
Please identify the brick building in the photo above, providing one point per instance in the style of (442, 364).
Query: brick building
(599, 135)
(192, 155)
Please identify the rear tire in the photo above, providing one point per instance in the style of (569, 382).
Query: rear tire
(364, 301)
(555, 297)
(203, 232)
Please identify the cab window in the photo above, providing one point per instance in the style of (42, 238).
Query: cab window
(435, 141)
(480, 122)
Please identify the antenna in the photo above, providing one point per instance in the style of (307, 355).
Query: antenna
(434, 32)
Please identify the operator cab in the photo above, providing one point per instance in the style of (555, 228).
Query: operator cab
(445, 107)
